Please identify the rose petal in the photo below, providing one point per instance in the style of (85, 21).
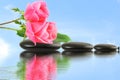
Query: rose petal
(30, 14)
(37, 11)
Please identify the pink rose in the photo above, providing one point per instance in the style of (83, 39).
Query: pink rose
(41, 68)
(37, 11)
(41, 32)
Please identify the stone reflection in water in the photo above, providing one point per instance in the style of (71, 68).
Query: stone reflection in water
(34, 66)
(77, 54)
(105, 53)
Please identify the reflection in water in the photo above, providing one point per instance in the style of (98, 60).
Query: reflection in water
(105, 53)
(78, 54)
(63, 63)
(21, 69)
(40, 68)
(36, 67)
(44, 65)
(8, 73)
(29, 54)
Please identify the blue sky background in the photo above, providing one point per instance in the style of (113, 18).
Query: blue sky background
(93, 21)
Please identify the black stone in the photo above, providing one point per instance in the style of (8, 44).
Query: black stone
(105, 47)
(29, 45)
(77, 46)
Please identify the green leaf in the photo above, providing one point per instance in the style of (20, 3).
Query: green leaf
(62, 38)
(16, 9)
(21, 32)
(22, 17)
(22, 26)
(18, 22)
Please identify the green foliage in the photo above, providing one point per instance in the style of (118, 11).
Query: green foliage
(20, 12)
(22, 17)
(62, 38)
(21, 32)
(16, 9)
(17, 22)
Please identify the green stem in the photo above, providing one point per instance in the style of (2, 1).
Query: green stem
(8, 28)
(8, 22)
(24, 37)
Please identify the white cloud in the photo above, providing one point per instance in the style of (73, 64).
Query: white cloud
(4, 50)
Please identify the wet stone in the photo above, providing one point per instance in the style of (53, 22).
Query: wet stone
(29, 45)
(105, 47)
(77, 46)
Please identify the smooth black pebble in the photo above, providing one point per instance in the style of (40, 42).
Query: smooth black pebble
(105, 47)
(77, 46)
(29, 45)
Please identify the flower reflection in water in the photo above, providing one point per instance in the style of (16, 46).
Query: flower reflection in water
(37, 67)
(41, 68)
